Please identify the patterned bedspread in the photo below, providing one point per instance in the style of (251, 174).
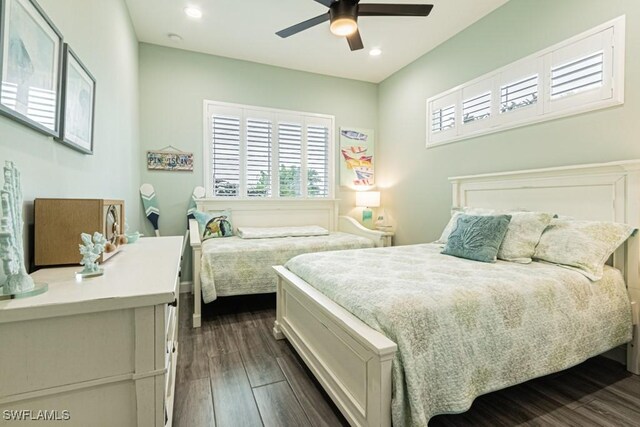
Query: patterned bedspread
(466, 328)
(235, 266)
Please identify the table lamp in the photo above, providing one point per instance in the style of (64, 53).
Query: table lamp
(366, 200)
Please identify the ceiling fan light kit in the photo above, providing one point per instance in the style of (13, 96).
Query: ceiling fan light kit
(343, 17)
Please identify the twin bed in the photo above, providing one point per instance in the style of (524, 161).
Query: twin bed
(401, 334)
(238, 266)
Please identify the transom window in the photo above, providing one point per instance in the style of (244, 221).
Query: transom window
(581, 74)
(254, 152)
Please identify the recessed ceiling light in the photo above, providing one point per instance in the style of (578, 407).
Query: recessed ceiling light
(174, 37)
(376, 51)
(193, 12)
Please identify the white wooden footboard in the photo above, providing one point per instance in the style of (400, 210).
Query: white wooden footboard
(346, 224)
(351, 360)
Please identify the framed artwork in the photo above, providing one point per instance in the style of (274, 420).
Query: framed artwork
(169, 159)
(78, 103)
(31, 65)
(356, 157)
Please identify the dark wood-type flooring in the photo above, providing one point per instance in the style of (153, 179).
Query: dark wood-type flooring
(232, 372)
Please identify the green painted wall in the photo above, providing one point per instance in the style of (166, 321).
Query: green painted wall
(102, 35)
(417, 191)
(173, 85)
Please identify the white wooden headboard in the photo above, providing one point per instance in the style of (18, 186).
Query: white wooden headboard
(276, 213)
(604, 191)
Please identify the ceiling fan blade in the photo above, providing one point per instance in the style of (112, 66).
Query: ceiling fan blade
(303, 25)
(355, 41)
(325, 2)
(380, 9)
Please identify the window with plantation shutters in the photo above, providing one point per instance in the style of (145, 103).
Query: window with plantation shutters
(258, 153)
(581, 74)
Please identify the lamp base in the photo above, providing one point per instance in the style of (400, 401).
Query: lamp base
(367, 218)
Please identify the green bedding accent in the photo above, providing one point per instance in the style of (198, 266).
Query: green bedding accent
(465, 328)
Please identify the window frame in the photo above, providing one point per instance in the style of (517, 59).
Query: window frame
(306, 120)
(540, 62)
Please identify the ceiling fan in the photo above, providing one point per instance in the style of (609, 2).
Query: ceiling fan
(343, 16)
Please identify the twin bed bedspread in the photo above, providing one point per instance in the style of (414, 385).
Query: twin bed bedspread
(465, 328)
(235, 266)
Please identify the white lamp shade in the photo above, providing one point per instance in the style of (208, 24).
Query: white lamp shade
(368, 199)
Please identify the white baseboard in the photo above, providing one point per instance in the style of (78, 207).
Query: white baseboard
(186, 287)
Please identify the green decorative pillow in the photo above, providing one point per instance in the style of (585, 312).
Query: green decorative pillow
(583, 246)
(214, 224)
(457, 211)
(477, 237)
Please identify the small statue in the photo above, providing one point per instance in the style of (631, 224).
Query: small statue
(16, 280)
(91, 249)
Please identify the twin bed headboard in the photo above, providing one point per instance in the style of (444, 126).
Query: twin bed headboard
(276, 213)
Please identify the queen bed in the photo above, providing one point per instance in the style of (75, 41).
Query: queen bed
(406, 333)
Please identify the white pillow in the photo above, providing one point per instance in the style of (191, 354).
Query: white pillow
(583, 246)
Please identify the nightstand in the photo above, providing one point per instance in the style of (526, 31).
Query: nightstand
(387, 237)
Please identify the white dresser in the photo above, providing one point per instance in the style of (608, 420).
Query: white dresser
(103, 349)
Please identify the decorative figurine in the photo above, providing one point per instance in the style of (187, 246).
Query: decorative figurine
(16, 282)
(91, 249)
(131, 237)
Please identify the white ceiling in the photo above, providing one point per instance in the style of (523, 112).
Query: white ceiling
(245, 29)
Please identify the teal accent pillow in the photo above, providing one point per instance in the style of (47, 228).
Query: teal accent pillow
(214, 224)
(477, 237)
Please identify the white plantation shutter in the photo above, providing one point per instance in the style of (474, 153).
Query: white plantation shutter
(581, 73)
(578, 75)
(258, 152)
(520, 91)
(225, 155)
(259, 144)
(317, 160)
(290, 159)
(519, 94)
(443, 118)
(477, 107)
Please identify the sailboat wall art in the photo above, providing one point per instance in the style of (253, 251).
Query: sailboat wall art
(357, 148)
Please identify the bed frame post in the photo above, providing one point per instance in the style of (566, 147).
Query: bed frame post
(196, 255)
(277, 330)
(632, 262)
